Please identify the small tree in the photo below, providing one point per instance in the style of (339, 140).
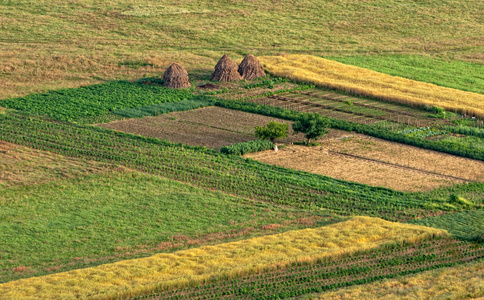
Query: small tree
(312, 126)
(273, 130)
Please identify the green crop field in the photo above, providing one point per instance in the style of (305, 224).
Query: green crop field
(76, 195)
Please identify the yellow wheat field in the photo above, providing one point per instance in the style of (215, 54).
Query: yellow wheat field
(460, 282)
(331, 74)
(134, 276)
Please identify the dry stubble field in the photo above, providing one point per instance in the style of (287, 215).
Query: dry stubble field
(212, 127)
(378, 162)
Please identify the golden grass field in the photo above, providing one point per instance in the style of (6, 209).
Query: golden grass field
(462, 282)
(53, 44)
(331, 74)
(131, 277)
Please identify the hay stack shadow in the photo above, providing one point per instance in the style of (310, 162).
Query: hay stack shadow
(251, 68)
(176, 77)
(226, 70)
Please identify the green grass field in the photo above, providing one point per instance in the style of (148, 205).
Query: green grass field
(108, 217)
(455, 74)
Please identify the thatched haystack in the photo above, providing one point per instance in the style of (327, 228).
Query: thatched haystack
(226, 70)
(251, 68)
(176, 77)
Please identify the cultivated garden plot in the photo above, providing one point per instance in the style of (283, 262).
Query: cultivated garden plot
(376, 162)
(212, 127)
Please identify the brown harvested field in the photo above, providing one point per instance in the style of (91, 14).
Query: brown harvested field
(212, 127)
(372, 161)
(22, 166)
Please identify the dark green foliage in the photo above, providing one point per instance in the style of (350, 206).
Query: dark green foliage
(96, 100)
(477, 132)
(273, 130)
(312, 126)
(164, 108)
(247, 147)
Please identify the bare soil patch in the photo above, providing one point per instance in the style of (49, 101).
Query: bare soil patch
(376, 162)
(22, 166)
(212, 127)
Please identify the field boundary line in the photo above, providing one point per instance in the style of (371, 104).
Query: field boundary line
(400, 166)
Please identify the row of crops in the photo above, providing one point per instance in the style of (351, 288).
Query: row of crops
(301, 278)
(210, 169)
(88, 102)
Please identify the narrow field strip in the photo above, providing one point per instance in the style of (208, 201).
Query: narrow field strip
(467, 225)
(22, 166)
(330, 273)
(355, 80)
(175, 270)
(461, 282)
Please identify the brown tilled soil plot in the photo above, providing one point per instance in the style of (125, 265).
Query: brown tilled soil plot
(21, 166)
(212, 127)
(376, 162)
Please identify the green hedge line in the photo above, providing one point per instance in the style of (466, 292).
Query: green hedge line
(478, 132)
(372, 130)
(248, 147)
(164, 108)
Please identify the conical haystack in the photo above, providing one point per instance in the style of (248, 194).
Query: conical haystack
(251, 68)
(226, 70)
(176, 77)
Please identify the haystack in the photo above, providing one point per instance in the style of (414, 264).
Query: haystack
(176, 77)
(251, 68)
(226, 70)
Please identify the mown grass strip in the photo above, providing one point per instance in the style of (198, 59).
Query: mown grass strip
(174, 270)
(360, 81)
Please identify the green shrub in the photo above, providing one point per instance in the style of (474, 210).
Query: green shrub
(273, 130)
(248, 147)
(312, 126)
(458, 200)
